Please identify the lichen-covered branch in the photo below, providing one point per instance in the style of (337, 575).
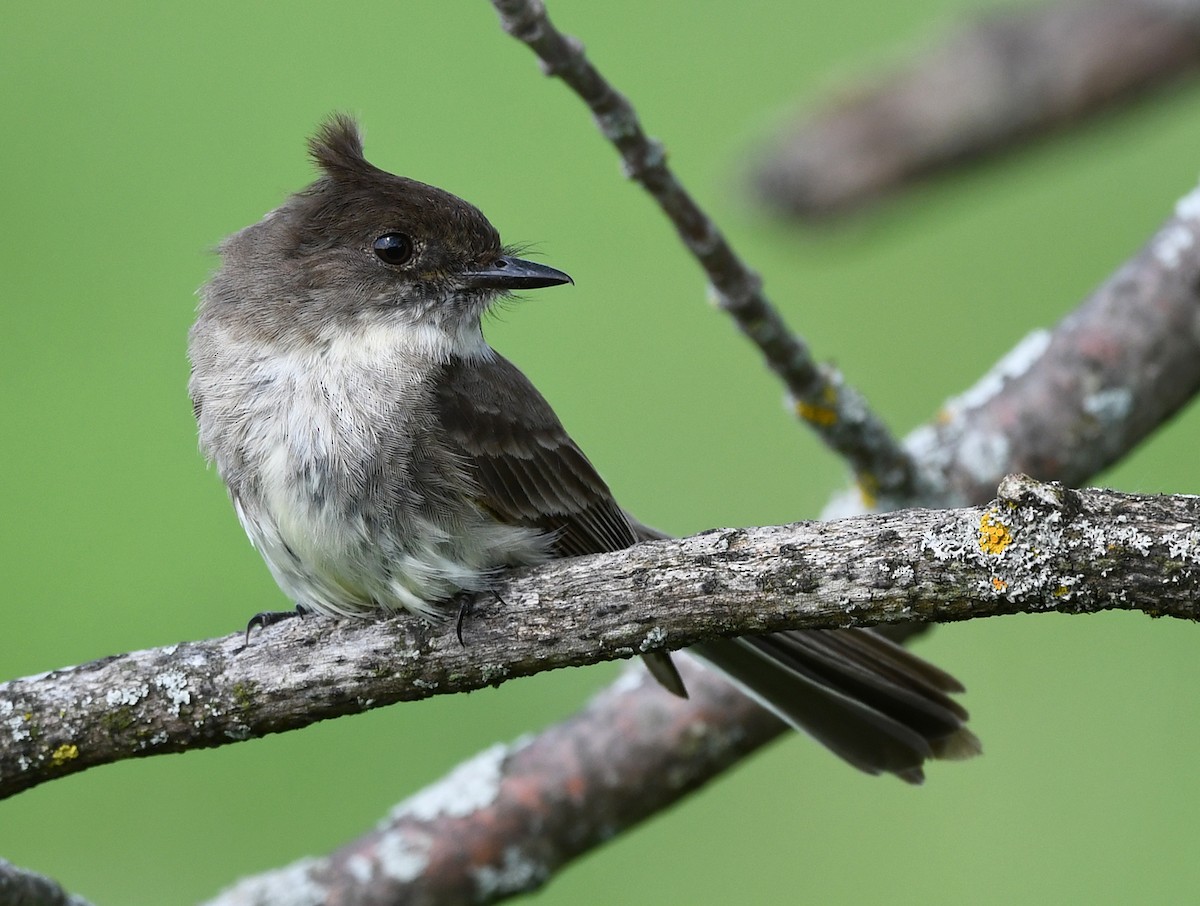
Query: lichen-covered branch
(508, 819)
(1072, 401)
(1008, 75)
(504, 822)
(1038, 548)
(818, 393)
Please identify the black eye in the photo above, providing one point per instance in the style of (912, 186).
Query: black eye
(393, 248)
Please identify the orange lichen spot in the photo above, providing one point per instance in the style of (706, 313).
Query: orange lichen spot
(822, 416)
(994, 536)
(999, 584)
(63, 754)
(821, 412)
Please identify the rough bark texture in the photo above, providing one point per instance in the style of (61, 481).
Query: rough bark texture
(1007, 76)
(505, 821)
(1038, 548)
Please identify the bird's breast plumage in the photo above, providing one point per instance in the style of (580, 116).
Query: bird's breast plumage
(340, 473)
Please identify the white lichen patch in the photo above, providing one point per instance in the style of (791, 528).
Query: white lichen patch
(1177, 238)
(956, 541)
(1171, 243)
(655, 639)
(516, 873)
(985, 455)
(471, 786)
(1026, 568)
(359, 867)
(900, 575)
(292, 884)
(126, 695)
(1183, 546)
(16, 724)
(1110, 406)
(403, 855)
(1129, 536)
(175, 685)
(1188, 207)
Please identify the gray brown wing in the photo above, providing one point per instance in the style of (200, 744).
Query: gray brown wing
(525, 466)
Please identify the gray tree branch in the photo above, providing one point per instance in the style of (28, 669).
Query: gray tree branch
(1070, 401)
(1037, 548)
(635, 749)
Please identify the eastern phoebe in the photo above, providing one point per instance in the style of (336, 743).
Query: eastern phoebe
(381, 456)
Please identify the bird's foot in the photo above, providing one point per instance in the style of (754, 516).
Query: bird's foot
(269, 618)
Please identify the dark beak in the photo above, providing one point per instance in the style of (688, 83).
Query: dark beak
(507, 272)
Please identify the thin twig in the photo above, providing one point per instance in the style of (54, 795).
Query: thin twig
(818, 393)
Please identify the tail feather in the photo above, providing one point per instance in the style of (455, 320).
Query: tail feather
(886, 720)
(872, 703)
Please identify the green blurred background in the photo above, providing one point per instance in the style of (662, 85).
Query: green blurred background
(137, 135)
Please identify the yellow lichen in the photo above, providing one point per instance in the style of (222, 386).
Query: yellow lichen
(868, 487)
(821, 413)
(994, 536)
(64, 753)
(824, 416)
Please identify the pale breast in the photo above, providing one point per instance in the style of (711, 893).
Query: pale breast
(339, 477)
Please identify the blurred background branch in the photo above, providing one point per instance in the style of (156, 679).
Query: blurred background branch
(1004, 77)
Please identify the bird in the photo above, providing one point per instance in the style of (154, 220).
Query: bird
(383, 457)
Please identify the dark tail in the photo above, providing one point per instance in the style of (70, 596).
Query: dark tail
(870, 702)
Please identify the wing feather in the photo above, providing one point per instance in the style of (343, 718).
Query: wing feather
(526, 469)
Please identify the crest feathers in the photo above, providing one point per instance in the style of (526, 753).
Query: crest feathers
(337, 147)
